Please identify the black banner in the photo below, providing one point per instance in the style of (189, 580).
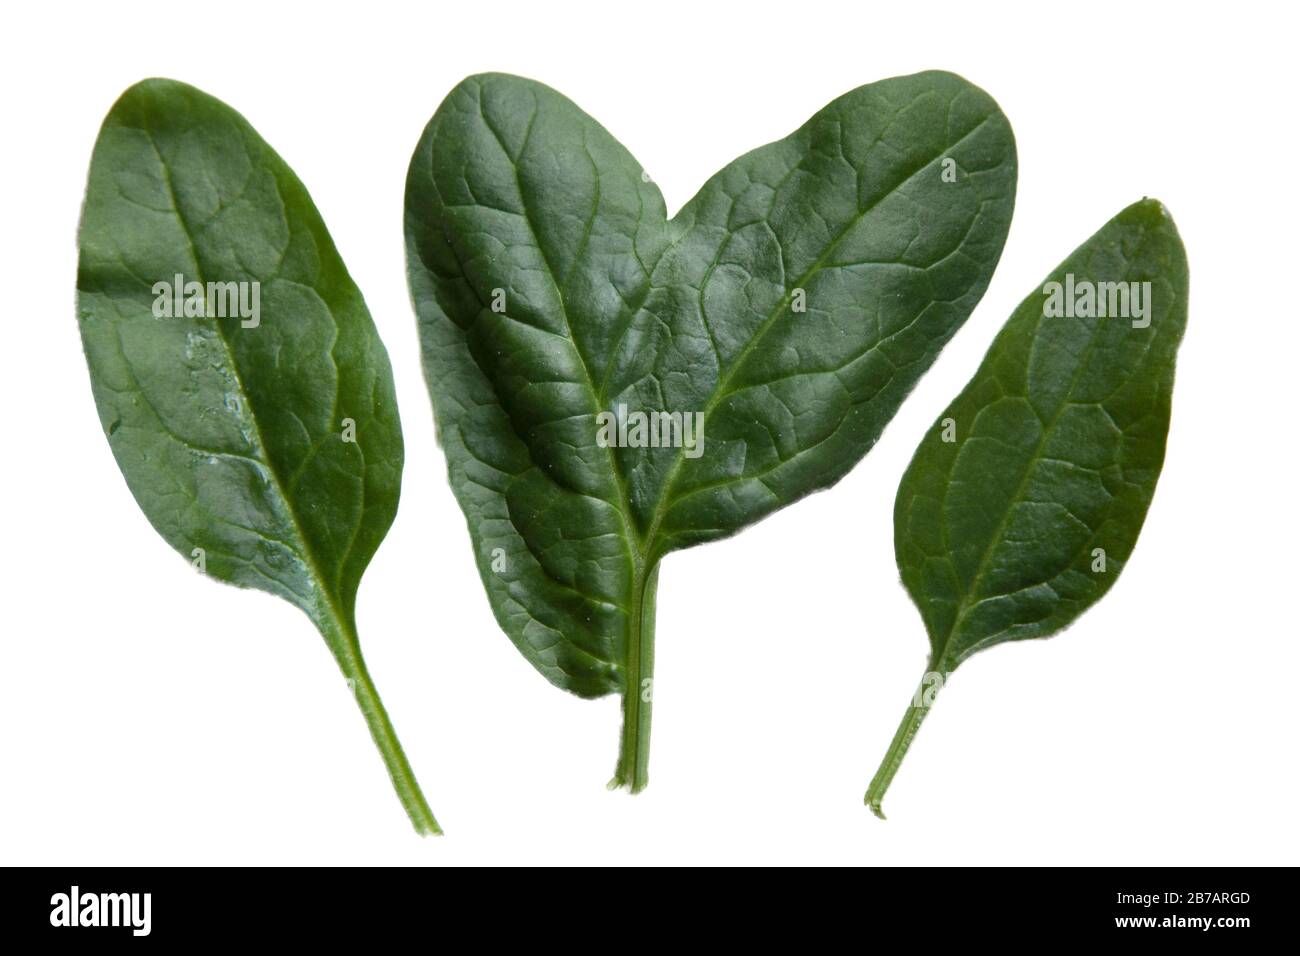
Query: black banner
(137, 906)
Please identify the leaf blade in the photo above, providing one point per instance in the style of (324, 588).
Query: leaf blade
(881, 286)
(1045, 417)
(190, 153)
(512, 456)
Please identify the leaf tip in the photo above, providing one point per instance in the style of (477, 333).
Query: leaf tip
(1150, 211)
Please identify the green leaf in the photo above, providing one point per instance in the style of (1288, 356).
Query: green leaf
(791, 306)
(1023, 503)
(261, 441)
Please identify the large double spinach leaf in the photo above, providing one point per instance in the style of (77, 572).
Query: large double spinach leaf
(1023, 503)
(239, 378)
(766, 334)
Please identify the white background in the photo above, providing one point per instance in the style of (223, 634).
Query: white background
(150, 716)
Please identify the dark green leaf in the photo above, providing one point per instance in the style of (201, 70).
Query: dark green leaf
(792, 304)
(262, 442)
(1023, 504)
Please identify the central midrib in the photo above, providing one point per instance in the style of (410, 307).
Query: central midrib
(342, 627)
(968, 603)
(635, 544)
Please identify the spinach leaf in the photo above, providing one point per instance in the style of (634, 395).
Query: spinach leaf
(611, 385)
(240, 380)
(1023, 503)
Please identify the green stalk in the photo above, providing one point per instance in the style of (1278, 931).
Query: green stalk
(634, 743)
(347, 651)
(907, 729)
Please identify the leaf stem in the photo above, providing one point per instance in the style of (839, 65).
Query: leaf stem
(632, 770)
(348, 654)
(907, 729)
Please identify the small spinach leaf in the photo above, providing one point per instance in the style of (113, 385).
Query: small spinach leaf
(239, 378)
(1022, 505)
(770, 330)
